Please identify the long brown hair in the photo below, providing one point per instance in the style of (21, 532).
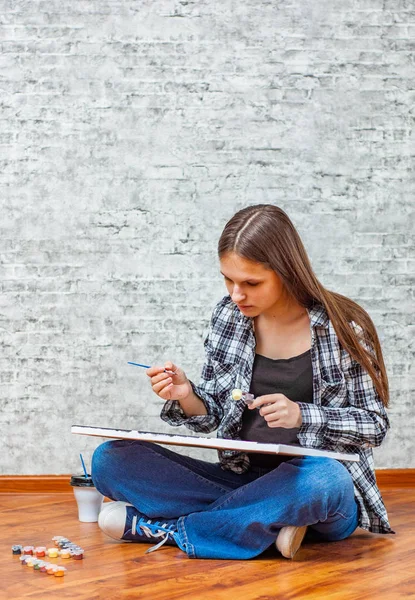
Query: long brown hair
(265, 234)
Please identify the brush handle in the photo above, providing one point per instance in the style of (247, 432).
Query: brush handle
(148, 367)
(83, 466)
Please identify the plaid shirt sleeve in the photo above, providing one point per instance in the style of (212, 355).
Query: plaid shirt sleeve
(362, 422)
(207, 391)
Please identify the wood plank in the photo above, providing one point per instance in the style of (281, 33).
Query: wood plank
(395, 477)
(36, 484)
(361, 567)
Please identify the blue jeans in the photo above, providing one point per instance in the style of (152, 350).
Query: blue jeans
(222, 514)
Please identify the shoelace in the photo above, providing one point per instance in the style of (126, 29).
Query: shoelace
(152, 530)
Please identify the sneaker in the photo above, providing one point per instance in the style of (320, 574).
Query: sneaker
(122, 521)
(289, 540)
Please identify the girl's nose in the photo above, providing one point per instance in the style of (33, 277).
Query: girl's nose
(237, 295)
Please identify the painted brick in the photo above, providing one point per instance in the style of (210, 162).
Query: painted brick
(130, 132)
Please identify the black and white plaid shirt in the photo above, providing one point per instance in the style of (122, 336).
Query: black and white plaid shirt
(346, 415)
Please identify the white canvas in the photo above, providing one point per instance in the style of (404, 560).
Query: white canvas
(206, 442)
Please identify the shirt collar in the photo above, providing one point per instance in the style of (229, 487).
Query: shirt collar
(318, 316)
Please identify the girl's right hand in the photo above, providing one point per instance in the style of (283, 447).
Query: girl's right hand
(169, 386)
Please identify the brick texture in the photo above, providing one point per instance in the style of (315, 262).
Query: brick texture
(130, 131)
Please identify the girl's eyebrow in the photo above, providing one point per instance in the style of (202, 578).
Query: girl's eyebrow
(251, 279)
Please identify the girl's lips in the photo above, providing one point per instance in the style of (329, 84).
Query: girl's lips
(244, 305)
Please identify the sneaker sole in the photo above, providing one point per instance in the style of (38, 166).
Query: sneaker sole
(290, 539)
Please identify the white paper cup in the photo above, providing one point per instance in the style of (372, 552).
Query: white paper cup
(88, 498)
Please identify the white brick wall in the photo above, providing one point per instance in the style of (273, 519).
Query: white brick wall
(130, 132)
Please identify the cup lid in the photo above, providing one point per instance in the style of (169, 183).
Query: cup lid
(82, 481)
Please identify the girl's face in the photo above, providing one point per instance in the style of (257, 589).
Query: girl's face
(252, 287)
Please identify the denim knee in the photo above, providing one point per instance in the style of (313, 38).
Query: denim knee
(334, 473)
(331, 479)
(104, 462)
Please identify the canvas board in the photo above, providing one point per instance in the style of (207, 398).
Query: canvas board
(208, 442)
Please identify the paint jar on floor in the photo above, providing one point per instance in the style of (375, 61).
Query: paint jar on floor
(88, 498)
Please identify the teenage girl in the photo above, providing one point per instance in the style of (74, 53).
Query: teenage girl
(312, 359)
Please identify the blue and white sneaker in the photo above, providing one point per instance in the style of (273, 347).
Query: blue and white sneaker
(122, 521)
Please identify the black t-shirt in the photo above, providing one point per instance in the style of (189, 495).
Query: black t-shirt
(292, 377)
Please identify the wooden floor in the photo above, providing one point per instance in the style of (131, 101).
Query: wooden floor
(364, 566)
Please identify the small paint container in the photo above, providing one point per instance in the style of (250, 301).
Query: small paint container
(23, 559)
(40, 551)
(65, 553)
(31, 562)
(58, 538)
(36, 566)
(50, 569)
(78, 554)
(28, 550)
(43, 567)
(53, 552)
(59, 571)
(63, 543)
(17, 549)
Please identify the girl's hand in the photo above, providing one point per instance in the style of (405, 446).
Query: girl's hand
(278, 410)
(169, 386)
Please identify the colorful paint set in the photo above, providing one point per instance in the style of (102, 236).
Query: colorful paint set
(32, 556)
(42, 566)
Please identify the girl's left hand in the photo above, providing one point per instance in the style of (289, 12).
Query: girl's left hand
(278, 410)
